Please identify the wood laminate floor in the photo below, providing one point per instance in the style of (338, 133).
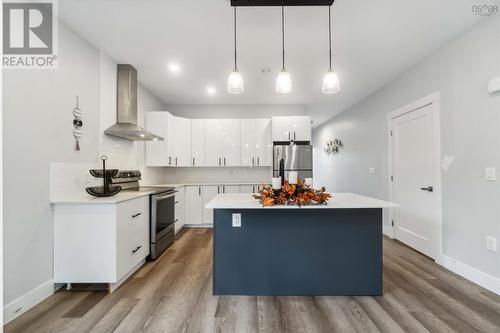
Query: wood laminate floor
(174, 294)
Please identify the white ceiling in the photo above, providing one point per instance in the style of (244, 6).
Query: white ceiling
(374, 42)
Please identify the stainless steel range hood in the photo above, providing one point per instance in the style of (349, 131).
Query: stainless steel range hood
(126, 124)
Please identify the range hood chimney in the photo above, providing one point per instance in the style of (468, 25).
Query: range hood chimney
(126, 102)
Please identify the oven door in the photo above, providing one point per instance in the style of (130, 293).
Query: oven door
(162, 215)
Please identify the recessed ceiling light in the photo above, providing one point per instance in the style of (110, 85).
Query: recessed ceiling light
(211, 90)
(174, 67)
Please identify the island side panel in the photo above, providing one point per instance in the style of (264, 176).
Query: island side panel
(298, 252)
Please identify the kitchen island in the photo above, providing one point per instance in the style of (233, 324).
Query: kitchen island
(333, 249)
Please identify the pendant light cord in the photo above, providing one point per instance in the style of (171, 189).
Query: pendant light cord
(235, 59)
(283, 35)
(330, 34)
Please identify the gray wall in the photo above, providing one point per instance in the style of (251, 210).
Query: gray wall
(470, 132)
(37, 110)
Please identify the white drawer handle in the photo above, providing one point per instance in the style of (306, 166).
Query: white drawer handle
(136, 215)
(136, 249)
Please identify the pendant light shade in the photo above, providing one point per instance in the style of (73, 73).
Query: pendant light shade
(331, 82)
(284, 80)
(235, 81)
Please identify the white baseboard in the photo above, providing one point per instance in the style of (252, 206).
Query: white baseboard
(206, 226)
(388, 231)
(19, 306)
(470, 273)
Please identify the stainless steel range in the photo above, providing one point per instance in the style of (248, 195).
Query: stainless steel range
(161, 209)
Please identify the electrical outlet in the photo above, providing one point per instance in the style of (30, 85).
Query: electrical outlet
(491, 243)
(490, 174)
(236, 220)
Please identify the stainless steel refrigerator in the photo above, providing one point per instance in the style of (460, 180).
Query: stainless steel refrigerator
(295, 158)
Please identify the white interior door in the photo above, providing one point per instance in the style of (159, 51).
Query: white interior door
(416, 221)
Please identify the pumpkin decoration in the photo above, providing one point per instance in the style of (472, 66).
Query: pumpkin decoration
(298, 194)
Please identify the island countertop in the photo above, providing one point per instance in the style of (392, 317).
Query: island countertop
(338, 201)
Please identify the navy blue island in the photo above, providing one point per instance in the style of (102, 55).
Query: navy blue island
(333, 249)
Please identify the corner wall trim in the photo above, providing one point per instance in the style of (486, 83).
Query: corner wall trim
(19, 306)
(481, 278)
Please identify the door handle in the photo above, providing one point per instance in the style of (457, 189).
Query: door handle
(428, 188)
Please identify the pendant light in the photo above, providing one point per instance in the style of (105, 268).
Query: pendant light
(235, 81)
(331, 84)
(284, 80)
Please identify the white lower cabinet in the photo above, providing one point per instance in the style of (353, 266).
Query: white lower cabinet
(100, 243)
(180, 209)
(193, 205)
(248, 189)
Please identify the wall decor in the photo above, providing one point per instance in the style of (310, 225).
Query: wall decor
(334, 146)
(77, 123)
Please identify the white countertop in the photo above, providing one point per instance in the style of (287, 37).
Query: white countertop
(205, 184)
(89, 199)
(338, 201)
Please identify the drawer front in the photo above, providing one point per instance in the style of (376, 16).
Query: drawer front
(132, 240)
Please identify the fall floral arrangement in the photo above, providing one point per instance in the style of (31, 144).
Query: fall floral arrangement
(298, 194)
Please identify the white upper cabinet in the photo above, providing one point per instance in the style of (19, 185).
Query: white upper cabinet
(197, 142)
(256, 145)
(182, 142)
(213, 142)
(295, 128)
(159, 153)
(222, 142)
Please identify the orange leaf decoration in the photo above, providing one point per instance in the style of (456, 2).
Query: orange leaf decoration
(293, 194)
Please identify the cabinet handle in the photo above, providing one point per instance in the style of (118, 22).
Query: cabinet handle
(218, 189)
(177, 202)
(170, 160)
(253, 160)
(258, 160)
(136, 215)
(219, 161)
(224, 161)
(289, 136)
(294, 136)
(223, 189)
(194, 162)
(253, 189)
(176, 161)
(176, 220)
(136, 249)
(199, 190)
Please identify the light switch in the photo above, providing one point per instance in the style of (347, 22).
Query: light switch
(371, 171)
(490, 174)
(236, 220)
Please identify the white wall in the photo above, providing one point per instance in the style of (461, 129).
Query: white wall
(38, 128)
(470, 131)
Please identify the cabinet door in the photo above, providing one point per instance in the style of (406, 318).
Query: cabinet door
(209, 192)
(194, 205)
(180, 199)
(157, 152)
(213, 142)
(263, 142)
(281, 128)
(248, 145)
(301, 128)
(184, 155)
(247, 189)
(176, 143)
(230, 188)
(231, 142)
(197, 142)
